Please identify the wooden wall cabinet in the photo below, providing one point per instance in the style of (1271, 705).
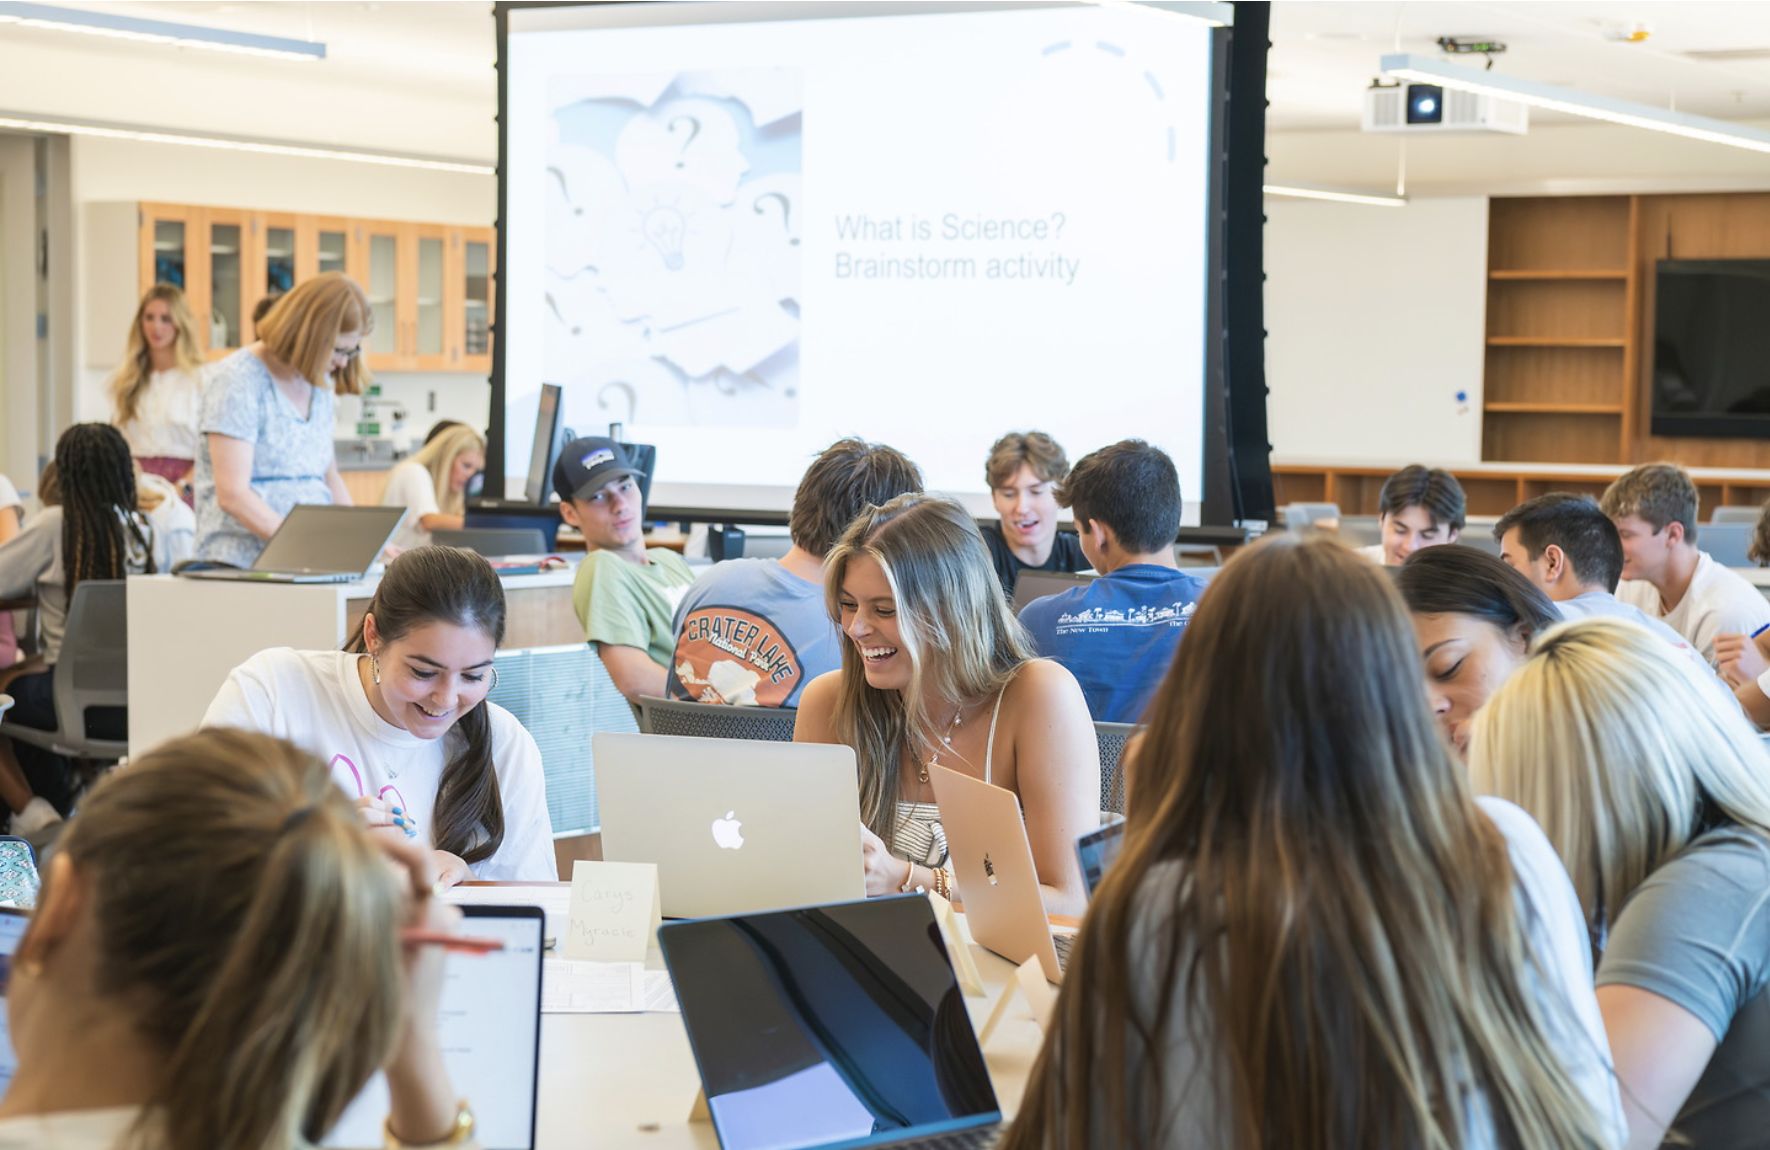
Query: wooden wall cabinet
(1562, 296)
(429, 285)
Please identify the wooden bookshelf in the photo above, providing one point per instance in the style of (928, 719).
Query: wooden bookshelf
(1562, 296)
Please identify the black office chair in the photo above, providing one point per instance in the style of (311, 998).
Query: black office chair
(1112, 738)
(715, 720)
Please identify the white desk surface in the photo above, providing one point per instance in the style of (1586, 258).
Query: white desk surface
(628, 1081)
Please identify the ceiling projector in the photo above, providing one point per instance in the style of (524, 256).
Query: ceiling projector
(1430, 108)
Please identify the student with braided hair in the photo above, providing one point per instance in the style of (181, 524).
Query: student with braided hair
(94, 533)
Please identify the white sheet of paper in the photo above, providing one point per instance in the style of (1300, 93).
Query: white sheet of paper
(615, 911)
(554, 899)
(569, 987)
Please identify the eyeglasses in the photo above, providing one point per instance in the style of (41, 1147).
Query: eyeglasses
(347, 356)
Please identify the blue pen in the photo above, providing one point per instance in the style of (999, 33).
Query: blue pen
(1761, 630)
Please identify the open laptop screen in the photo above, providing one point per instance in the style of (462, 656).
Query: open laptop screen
(318, 537)
(828, 1026)
(490, 1035)
(1033, 584)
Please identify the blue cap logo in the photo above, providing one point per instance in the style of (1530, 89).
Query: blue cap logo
(595, 458)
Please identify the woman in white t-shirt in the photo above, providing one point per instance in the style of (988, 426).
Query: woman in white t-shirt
(156, 392)
(401, 716)
(1314, 934)
(432, 485)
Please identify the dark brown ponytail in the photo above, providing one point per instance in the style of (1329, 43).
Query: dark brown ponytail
(450, 585)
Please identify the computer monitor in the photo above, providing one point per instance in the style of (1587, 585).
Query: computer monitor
(546, 446)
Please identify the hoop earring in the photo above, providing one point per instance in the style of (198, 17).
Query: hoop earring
(375, 668)
(494, 679)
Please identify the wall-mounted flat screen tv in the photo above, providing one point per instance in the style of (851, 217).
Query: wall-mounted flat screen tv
(1711, 348)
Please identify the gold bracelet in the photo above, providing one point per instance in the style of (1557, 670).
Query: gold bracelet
(943, 883)
(458, 1136)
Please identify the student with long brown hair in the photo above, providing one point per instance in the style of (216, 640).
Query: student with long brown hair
(402, 717)
(156, 391)
(1315, 935)
(267, 417)
(215, 961)
(936, 670)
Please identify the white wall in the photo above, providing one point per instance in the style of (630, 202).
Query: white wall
(1376, 323)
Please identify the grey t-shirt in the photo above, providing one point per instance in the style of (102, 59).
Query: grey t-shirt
(290, 455)
(1697, 933)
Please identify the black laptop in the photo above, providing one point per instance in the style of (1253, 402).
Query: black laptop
(830, 1027)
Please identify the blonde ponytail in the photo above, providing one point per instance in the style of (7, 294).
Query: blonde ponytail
(246, 910)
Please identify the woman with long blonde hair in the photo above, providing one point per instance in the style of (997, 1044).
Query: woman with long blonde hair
(267, 417)
(156, 391)
(1656, 794)
(432, 485)
(215, 960)
(936, 670)
(1314, 935)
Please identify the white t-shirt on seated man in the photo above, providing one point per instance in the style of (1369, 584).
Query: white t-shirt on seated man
(1654, 508)
(1568, 547)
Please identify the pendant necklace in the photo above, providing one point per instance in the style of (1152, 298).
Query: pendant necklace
(946, 742)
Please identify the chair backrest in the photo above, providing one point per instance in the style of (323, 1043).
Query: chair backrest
(1297, 516)
(1112, 738)
(495, 541)
(563, 695)
(93, 669)
(1726, 543)
(715, 720)
(1360, 530)
(1480, 538)
(1734, 515)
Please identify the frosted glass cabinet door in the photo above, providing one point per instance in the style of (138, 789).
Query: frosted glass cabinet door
(430, 297)
(477, 299)
(331, 252)
(383, 289)
(169, 252)
(226, 304)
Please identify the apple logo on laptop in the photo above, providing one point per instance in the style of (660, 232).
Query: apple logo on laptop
(989, 869)
(727, 832)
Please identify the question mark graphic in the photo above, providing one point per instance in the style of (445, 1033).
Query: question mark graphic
(1060, 219)
(632, 398)
(694, 129)
(565, 191)
(786, 210)
(551, 303)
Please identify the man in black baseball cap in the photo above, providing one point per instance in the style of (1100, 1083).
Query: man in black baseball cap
(625, 595)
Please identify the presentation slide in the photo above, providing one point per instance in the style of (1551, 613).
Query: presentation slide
(758, 228)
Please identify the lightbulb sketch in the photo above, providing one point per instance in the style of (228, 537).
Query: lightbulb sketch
(673, 246)
(663, 227)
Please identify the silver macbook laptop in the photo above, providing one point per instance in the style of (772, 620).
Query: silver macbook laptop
(490, 1034)
(993, 867)
(1038, 584)
(317, 543)
(830, 1027)
(733, 825)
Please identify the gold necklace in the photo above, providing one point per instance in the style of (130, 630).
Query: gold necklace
(946, 741)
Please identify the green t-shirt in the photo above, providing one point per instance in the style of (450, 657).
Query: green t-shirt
(621, 603)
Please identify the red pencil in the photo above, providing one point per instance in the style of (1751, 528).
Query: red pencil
(456, 942)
